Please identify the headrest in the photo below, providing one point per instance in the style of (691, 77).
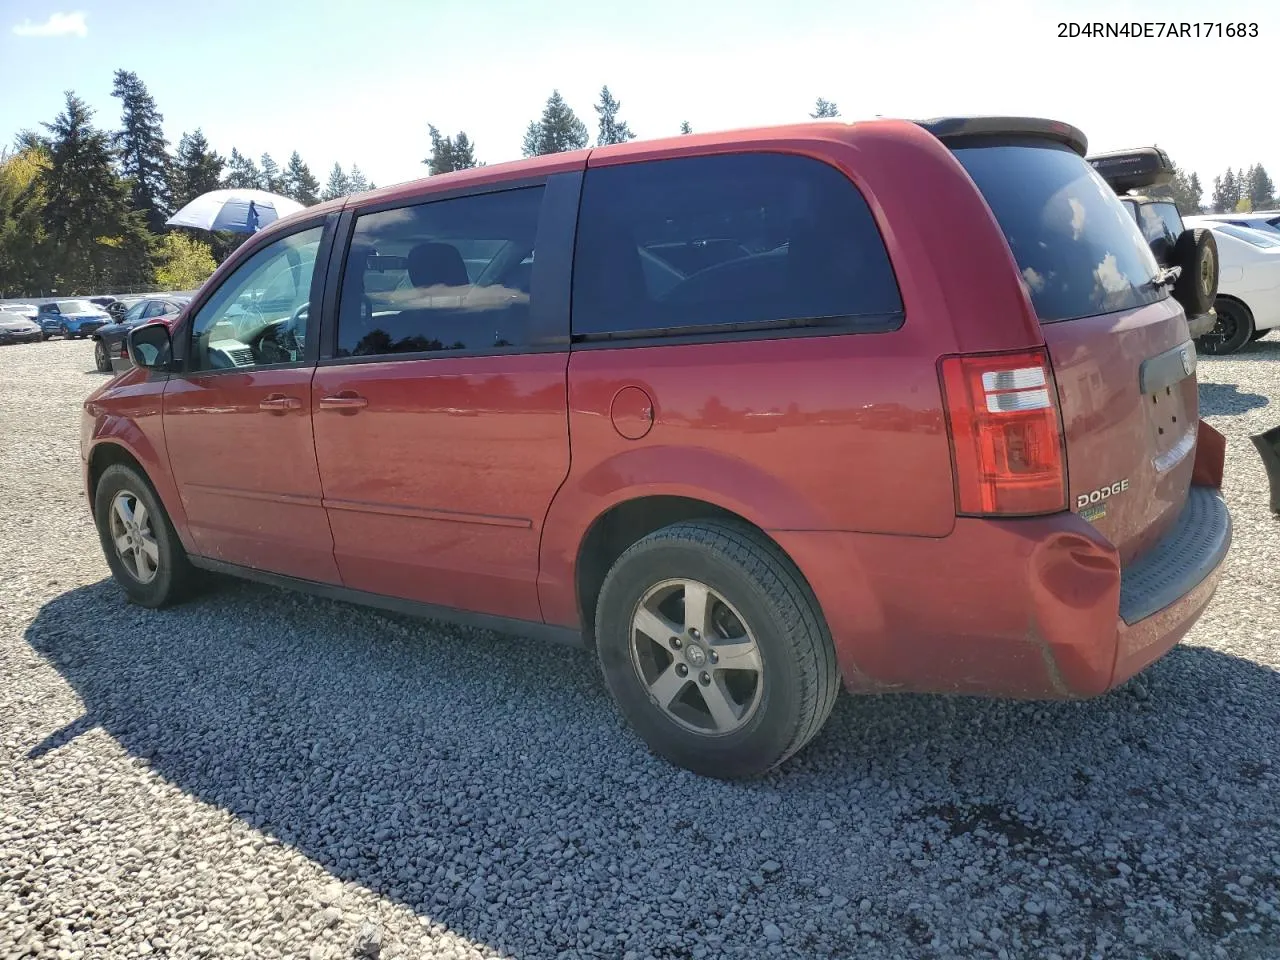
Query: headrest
(437, 264)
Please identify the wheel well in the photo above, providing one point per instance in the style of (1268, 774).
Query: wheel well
(622, 525)
(105, 455)
(1235, 300)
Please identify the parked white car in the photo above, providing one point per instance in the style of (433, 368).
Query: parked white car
(1268, 221)
(1248, 302)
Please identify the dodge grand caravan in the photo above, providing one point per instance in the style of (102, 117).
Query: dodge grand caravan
(899, 406)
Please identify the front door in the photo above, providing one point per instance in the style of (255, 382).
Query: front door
(237, 421)
(441, 429)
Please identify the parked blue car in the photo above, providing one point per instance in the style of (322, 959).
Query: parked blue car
(71, 318)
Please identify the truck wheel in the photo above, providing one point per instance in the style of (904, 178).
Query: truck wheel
(1196, 252)
(141, 547)
(1233, 331)
(714, 649)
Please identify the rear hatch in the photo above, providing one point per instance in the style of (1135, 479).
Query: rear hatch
(1118, 342)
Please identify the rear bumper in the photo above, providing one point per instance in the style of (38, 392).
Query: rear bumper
(1032, 608)
(1202, 324)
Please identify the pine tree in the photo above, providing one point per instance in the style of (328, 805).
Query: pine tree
(272, 181)
(464, 153)
(684, 127)
(449, 153)
(1226, 192)
(1185, 191)
(1196, 192)
(558, 130)
(441, 159)
(95, 240)
(30, 140)
(824, 110)
(242, 173)
(299, 183)
(142, 149)
(338, 185)
(612, 130)
(356, 182)
(1260, 189)
(196, 169)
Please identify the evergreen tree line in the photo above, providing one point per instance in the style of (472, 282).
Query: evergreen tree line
(1239, 191)
(83, 209)
(559, 129)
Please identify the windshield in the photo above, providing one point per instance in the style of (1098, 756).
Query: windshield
(1080, 252)
(76, 306)
(1255, 237)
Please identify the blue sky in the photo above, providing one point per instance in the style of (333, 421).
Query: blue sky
(358, 83)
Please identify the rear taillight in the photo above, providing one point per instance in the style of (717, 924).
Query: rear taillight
(1006, 434)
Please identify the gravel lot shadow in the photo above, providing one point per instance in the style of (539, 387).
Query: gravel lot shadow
(1226, 400)
(487, 784)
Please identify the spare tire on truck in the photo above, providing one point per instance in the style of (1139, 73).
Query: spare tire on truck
(1196, 252)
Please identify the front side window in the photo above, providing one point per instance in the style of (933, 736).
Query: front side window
(258, 316)
(448, 275)
(699, 243)
(135, 312)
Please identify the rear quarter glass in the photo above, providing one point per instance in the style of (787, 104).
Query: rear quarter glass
(1078, 249)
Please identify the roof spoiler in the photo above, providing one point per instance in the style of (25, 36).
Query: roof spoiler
(954, 130)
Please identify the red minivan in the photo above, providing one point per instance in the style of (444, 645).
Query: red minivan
(907, 406)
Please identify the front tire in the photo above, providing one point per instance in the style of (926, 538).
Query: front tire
(100, 357)
(1233, 330)
(142, 549)
(714, 649)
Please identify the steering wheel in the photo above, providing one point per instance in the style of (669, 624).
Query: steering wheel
(301, 314)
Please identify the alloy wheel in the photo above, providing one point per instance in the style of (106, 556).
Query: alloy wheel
(133, 536)
(696, 656)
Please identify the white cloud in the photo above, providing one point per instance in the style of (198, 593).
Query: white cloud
(58, 25)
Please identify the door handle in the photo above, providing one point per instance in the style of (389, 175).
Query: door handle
(279, 403)
(345, 400)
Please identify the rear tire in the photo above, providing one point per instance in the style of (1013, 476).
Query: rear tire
(142, 549)
(1196, 252)
(742, 672)
(100, 357)
(1234, 329)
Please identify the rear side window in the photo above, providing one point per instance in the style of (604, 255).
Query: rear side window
(450, 275)
(1079, 250)
(702, 244)
(1160, 221)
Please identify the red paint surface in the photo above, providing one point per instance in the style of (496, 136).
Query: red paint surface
(438, 487)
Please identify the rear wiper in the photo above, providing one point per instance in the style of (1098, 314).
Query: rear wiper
(1167, 277)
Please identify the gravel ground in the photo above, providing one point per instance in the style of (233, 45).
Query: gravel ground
(260, 774)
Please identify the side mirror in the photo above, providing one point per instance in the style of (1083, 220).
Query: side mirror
(150, 346)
